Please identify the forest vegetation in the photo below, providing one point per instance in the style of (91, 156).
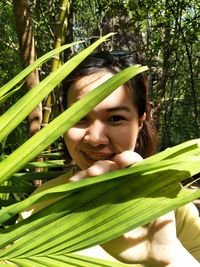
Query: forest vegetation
(162, 35)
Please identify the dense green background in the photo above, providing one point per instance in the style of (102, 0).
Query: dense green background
(164, 36)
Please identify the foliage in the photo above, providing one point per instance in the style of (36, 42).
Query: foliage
(32, 241)
(71, 220)
(165, 36)
(66, 218)
(10, 65)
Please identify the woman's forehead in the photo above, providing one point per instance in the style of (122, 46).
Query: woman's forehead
(83, 85)
(90, 81)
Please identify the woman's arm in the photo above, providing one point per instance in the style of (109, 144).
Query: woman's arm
(154, 244)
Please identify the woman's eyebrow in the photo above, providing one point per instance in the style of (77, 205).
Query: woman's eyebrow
(121, 108)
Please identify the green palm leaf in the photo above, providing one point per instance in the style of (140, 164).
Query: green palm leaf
(68, 260)
(74, 216)
(93, 211)
(18, 112)
(12, 83)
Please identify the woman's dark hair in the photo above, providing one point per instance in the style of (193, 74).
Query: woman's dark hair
(114, 62)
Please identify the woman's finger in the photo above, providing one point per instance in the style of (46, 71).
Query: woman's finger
(127, 158)
(78, 176)
(98, 168)
(122, 160)
(101, 167)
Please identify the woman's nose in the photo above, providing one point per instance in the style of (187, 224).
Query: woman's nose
(96, 134)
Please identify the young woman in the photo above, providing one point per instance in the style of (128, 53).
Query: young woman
(115, 134)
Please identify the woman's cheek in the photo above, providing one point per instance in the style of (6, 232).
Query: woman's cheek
(125, 138)
(73, 137)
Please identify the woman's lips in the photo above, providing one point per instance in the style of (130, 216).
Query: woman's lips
(93, 156)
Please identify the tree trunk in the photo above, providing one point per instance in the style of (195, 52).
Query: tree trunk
(26, 39)
(25, 34)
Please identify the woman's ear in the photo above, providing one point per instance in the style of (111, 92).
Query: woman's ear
(141, 120)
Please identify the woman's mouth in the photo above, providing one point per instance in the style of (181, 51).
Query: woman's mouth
(97, 156)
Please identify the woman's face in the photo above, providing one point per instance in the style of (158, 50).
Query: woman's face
(110, 128)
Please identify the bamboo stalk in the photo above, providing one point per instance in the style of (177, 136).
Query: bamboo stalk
(61, 25)
(56, 61)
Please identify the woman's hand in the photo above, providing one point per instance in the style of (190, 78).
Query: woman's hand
(154, 244)
(119, 161)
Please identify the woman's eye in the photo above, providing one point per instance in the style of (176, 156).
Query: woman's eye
(116, 119)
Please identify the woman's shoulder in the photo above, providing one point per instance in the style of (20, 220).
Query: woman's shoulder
(185, 214)
(188, 228)
(63, 179)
